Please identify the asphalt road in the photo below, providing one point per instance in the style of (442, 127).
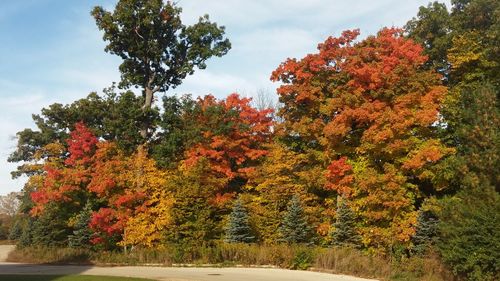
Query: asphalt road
(170, 273)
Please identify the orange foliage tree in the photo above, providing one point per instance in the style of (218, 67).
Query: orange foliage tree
(371, 107)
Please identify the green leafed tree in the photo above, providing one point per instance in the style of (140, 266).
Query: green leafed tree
(431, 29)
(157, 49)
(111, 116)
(344, 229)
(238, 229)
(178, 129)
(294, 227)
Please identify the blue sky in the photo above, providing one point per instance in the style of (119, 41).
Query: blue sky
(51, 51)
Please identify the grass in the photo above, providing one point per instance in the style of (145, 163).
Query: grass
(67, 278)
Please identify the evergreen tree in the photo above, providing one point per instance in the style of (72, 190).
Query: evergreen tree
(3, 230)
(49, 229)
(26, 237)
(469, 233)
(426, 231)
(238, 230)
(16, 230)
(82, 233)
(344, 230)
(294, 228)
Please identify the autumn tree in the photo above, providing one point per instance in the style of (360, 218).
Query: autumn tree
(66, 179)
(157, 49)
(233, 135)
(370, 106)
(59, 194)
(150, 218)
(134, 205)
(285, 173)
(195, 220)
(470, 113)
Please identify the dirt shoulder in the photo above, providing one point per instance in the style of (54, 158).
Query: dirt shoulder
(5, 250)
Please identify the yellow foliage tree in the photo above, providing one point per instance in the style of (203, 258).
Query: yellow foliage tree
(283, 174)
(149, 220)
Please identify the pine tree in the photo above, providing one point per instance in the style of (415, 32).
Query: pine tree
(294, 228)
(82, 233)
(238, 229)
(344, 230)
(17, 230)
(26, 237)
(426, 231)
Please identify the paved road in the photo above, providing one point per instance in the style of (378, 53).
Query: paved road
(173, 273)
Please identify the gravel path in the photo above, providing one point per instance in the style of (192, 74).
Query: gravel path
(171, 273)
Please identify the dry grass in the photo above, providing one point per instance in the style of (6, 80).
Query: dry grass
(353, 262)
(334, 260)
(50, 255)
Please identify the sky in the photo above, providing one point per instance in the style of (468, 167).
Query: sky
(51, 51)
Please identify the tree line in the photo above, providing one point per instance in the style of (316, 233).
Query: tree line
(388, 144)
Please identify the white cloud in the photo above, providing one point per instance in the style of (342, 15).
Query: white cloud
(217, 84)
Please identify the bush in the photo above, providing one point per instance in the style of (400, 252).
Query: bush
(302, 260)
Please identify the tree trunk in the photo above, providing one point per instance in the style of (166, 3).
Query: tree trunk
(147, 105)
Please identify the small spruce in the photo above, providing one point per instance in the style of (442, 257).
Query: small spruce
(294, 228)
(344, 229)
(238, 229)
(425, 232)
(82, 233)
